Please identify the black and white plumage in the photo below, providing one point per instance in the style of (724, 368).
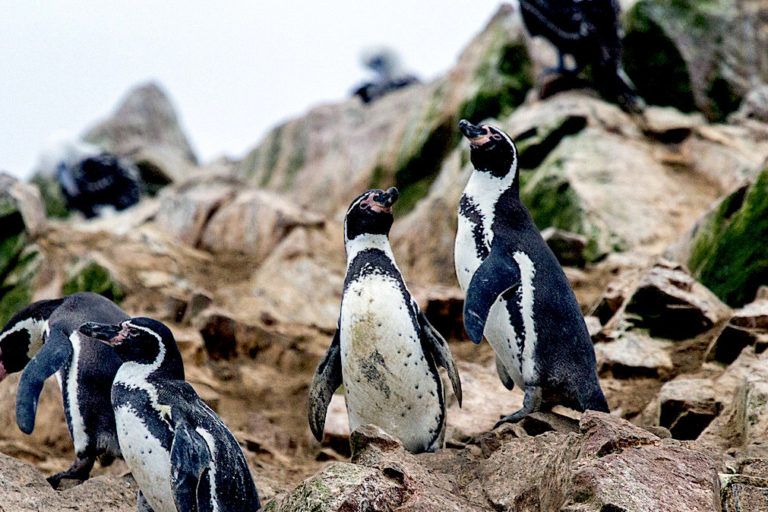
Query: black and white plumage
(91, 179)
(389, 75)
(42, 339)
(180, 452)
(385, 351)
(517, 294)
(589, 31)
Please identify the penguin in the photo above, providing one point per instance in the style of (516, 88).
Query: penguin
(589, 31)
(516, 291)
(384, 351)
(180, 452)
(42, 339)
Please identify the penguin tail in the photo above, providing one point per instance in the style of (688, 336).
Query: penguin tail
(594, 400)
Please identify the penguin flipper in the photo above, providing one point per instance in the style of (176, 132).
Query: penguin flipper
(495, 276)
(56, 351)
(434, 343)
(190, 460)
(503, 375)
(326, 380)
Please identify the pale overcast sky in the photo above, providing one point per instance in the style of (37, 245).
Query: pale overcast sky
(232, 68)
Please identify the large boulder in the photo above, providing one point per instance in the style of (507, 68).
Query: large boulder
(703, 55)
(146, 129)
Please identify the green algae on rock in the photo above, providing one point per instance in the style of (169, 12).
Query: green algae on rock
(728, 251)
(90, 276)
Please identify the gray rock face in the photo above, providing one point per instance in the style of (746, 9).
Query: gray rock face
(145, 129)
(747, 327)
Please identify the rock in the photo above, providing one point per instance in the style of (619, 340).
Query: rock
(485, 401)
(253, 223)
(366, 436)
(687, 406)
(576, 186)
(22, 219)
(741, 493)
(336, 432)
(329, 156)
(671, 304)
(669, 125)
(225, 336)
(145, 129)
(444, 307)
(754, 106)
(747, 327)
(727, 248)
(634, 354)
(90, 275)
(707, 54)
(568, 247)
(51, 196)
(342, 486)
(605, 434)
(184, 211)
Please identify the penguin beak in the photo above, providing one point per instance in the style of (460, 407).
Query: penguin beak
(383, 202)
(476, 134)
(102, 332)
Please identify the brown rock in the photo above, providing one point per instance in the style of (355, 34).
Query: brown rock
(747, 327)
(605, 434)
(671, 304)
(253, 223)
(634, 354)
(687, 406)
(741, 493)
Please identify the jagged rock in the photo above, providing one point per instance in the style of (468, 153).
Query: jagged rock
(185, 211)
(605, 434)
(444, 307)
(337, 151)
(225, 336)
(727, 249)
(307, 267)
(253, 223)
(740, 493)
(145, 129)
(671, 304)
(707, 53)
(568, 247)
(634, 354)
(747, 327)
(687, 406)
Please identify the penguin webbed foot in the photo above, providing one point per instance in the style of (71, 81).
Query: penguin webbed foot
(531, 403)
(79, 470)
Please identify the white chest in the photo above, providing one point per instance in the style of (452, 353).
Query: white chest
(386, 377)
(149, 462)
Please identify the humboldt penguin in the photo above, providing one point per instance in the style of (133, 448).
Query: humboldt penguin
(385, 351)
(42, 339)
(517, 294)
(180, 452)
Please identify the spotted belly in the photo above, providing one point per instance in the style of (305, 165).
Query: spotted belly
(387, 380)
(148, 460)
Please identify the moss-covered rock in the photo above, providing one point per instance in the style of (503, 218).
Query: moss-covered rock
(696, 54)
(50, 192)
(90, 276)
(728, 251)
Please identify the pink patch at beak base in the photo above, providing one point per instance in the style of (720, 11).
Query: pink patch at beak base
(3, 373)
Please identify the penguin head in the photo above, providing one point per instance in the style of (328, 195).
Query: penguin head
(139, 340)
(370, 213)
(491, 150)
(23, 335)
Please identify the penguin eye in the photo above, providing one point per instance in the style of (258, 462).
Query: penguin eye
(496, 136)
(363, 206)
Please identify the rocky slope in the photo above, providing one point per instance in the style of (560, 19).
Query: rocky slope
(660, 219)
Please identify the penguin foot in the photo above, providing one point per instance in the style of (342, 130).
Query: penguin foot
(531, 403)
(79, 470)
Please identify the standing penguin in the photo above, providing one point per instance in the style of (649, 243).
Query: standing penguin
(516, 292)
(180, 452)
(385, 351)
(42, 339)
